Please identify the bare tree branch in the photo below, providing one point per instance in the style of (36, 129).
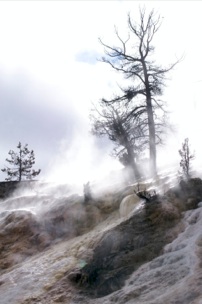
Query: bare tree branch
(136, 115)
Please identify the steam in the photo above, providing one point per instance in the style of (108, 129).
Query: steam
(78, 162)
(84, 159)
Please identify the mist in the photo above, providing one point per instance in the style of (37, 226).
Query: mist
(50, 76)
(49, 81)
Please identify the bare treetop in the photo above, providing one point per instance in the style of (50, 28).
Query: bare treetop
(146, 78)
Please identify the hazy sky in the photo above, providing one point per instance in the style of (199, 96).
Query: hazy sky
(49, 76)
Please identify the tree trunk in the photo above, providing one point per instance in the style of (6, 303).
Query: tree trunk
(151, 124)
(152, 144)
(133, 164)
(20, 166)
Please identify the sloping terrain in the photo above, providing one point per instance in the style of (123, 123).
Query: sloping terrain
(69, 252)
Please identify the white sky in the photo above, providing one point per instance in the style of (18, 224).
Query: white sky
(49, 76)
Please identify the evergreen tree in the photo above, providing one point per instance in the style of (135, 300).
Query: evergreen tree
(186, 158)
(21, 163)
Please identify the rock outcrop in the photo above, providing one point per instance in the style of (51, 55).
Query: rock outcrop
(21, 236)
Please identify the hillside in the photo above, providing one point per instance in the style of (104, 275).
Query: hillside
(116, 248)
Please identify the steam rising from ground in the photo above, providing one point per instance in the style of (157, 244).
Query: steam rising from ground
(85, 159)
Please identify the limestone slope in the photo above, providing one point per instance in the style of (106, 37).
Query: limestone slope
(69, 252)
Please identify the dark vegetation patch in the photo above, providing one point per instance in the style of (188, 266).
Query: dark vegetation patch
(135, 241)
(123, 249)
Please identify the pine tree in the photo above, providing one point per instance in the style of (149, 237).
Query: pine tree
(186, 158)
(21, 163)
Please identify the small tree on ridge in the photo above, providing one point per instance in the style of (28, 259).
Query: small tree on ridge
(21, 164)
(186, 158)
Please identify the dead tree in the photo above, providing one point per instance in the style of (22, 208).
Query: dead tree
(148, 196)
(133, 59)
(126, 131)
